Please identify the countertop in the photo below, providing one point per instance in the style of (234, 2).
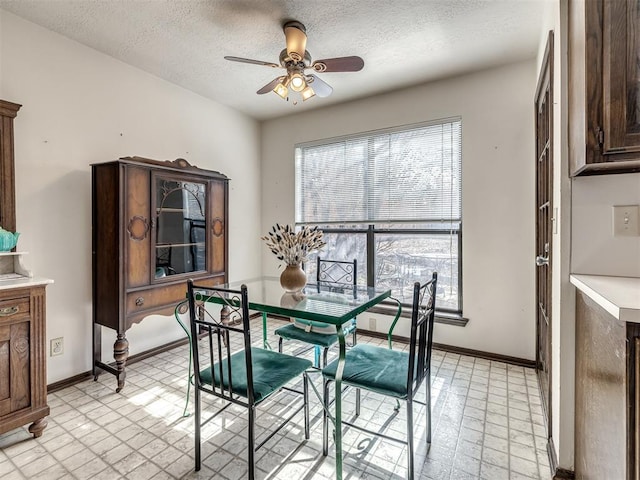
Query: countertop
(23, 282)
(620, 296)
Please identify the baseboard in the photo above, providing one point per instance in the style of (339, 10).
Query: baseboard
(558, 473)
(54, 387)
(81, 377)
(67, 382)
(522, 362)
(562, 474)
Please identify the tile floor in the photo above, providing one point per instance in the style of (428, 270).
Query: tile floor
(487, 424)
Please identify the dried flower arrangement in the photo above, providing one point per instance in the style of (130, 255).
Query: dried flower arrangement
(291, 247)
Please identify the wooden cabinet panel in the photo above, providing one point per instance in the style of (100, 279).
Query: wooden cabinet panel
(19, 361)
(155, 224)
(8, 112)
(5, 370)
(138, 226)
(604, 86)
(621, 78)
(607, 395)
(600, 392)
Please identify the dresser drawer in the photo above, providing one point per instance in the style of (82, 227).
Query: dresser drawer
(14, 309)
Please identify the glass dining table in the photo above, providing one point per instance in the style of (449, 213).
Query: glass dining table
(321, 304)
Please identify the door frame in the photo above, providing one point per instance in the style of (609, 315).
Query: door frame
(545, 81)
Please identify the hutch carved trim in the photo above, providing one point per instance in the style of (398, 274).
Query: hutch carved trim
(8, 112)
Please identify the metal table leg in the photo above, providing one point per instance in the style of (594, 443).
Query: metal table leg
(338, 402)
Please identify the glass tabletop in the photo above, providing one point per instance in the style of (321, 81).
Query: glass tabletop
(315, 302)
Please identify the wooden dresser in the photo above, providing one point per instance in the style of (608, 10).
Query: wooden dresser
(155, 224)
(23, 361)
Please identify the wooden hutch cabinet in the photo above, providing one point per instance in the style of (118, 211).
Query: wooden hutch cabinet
(23, 361)
(604, 86)
(155, 224)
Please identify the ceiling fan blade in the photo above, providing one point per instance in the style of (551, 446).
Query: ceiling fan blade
(270, 86)
(340, 64)
(322, 88)
(296, 36)
(253, 62)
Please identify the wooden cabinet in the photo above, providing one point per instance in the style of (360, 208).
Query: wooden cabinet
(155, 224)
(23, 378)
(604, 86)
(23, 363)
(607, 394)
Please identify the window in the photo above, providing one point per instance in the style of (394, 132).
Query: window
(392, 200)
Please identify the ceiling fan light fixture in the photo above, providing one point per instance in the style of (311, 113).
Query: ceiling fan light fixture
(297, 82)
(307, 93)
(281, 89)
(295, 60)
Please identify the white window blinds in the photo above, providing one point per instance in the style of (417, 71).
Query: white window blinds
(409, 175)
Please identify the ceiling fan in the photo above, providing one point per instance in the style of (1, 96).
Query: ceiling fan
(296, 60)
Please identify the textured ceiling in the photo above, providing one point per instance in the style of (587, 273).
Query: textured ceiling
(403, 42)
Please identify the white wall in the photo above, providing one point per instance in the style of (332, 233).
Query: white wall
(595, 249)
(82, 107)
(496, 107)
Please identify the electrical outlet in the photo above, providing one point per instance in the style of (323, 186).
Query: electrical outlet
(372, 324)
(625, 220)
(57, 346)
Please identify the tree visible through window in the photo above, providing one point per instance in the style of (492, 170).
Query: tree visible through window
(392, 200)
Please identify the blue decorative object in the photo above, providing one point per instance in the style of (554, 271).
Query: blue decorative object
(8, 240)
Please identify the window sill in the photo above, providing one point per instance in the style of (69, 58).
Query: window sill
(441, 317)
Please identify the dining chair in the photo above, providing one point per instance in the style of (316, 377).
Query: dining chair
(338, 276)
(180, 309)
(246, 377)
(392, 373)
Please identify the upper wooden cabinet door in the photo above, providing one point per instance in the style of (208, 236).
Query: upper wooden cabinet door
(604, 86)
(621, 78)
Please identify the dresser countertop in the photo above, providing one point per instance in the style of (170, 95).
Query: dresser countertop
(620, 296)
(23, 282)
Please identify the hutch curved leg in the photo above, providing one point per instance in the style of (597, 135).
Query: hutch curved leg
(38, 426)
(120, 355)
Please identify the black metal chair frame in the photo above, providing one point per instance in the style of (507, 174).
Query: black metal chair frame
(218, 346)
(337, 275)
(419, 370)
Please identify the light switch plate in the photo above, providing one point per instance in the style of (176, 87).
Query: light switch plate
(625, 220)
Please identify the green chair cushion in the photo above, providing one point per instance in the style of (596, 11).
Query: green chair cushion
(374, 368)
(291, 332)
(271, 371)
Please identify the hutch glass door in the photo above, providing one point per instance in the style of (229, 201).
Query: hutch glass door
(180, 207)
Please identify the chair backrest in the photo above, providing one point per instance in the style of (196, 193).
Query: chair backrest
(421, 342)
(220, 327)
(336, 274)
